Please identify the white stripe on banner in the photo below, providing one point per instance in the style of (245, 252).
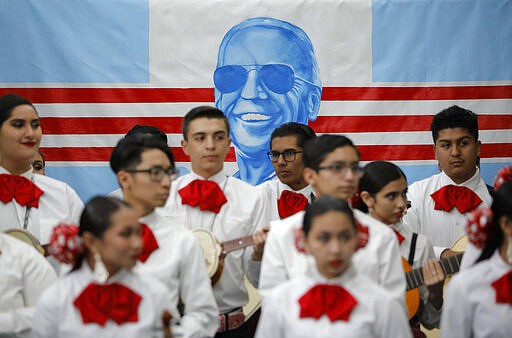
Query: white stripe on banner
(327, 108)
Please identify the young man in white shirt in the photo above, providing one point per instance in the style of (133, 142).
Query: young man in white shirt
(440, 203)
(289, 193)
(145, 169)
(209, 199)
(331, 166)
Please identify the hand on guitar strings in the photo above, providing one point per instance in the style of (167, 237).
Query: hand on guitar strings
(433, 276)
(448, 252)
(259, 238)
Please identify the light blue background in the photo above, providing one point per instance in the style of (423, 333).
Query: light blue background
(441, 40)
(78, 41)
(80, 178)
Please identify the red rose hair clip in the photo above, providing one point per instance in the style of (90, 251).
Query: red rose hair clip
(478, 226)
(505, 174)
(65, 244)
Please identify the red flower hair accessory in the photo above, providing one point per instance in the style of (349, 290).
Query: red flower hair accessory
(505, 174)
(478, 226)
(65, 244)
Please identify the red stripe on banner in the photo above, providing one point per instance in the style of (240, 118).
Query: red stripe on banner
(72, 154)
(324, 124)
(158, 95)
(415, 93)
(113, 95)
(368, 153)
(358, 124)
(424, 152)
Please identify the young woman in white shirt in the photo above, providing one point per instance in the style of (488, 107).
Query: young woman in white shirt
(29, 201)
(102, 296)
(478, 300)
(332, 299)
(382, 193)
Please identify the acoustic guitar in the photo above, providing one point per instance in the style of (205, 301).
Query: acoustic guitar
(414, 279)
(214, 254)
(28, 238)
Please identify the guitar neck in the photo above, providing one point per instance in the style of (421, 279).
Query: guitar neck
(449, 265)
(236, 244)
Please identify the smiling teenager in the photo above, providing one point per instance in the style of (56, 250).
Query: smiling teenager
(29, 201)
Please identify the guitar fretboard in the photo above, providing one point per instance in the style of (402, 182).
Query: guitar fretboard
(449, 265)
(236, 244)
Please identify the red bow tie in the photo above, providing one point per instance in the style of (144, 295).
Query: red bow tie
(331, 300)
(99, 303)
(290, 203)
(205, 194)
(450, 196)
(149, 242)
(398, 236)
(21, 189)
(363, 235)
(503, 287)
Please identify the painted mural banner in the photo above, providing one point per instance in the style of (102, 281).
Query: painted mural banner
(375, 71)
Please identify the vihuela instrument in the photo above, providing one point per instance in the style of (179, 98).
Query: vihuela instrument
(214, 254)
(28, 238)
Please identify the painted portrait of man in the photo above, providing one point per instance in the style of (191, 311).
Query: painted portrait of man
(266, 75)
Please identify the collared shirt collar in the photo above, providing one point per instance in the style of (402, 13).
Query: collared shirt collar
(471, 183)
(219, 177)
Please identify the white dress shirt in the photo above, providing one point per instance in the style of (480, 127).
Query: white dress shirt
(24, 275)
(441, 227)
(377, 313)
(242, 215)
(429, 316)
(470, 308)
(56, 316)
(59, 202)
(379, 259)
(179, 264)
(272, 190)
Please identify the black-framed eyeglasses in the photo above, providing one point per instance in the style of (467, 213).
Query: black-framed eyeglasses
(157, 173)
(278, 78)
(289, 155)
(341, 168)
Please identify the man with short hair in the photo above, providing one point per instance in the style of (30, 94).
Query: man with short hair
(440, 203)
(289, 193)
(331, 167)
(141, 131)
(145, 169)
(266, 75)
(208, 199)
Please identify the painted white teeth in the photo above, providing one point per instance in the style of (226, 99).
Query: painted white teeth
(255, 117)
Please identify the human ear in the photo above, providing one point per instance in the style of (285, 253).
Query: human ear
(184, 146)
(309, 175)
(123, 178)
(367, 199)
(313, 103)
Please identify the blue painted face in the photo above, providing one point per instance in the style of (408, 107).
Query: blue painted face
(264, 78)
